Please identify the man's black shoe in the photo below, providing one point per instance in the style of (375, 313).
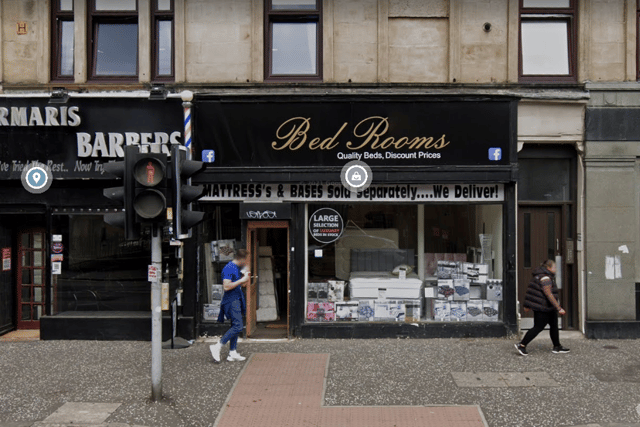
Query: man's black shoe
(560, 349)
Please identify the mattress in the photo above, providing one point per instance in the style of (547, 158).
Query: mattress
(367, 285)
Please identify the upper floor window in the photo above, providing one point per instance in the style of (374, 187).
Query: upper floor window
(62, 40)
(162, 40)
(548, 40)
(112, 39)
(113, 25)
(293, 40)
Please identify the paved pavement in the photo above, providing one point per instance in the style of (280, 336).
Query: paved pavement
(46, 383)
(286, 389)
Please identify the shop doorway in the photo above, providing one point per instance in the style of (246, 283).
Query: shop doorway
(7, 312)
(540, 238)
(30, 278)
(268, 290)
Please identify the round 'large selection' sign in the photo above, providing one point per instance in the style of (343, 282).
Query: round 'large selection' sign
(326, 225)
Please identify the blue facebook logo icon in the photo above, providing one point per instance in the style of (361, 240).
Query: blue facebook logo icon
(495, 154)
(208, 156)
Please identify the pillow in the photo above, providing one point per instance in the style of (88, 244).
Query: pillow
(407, 268)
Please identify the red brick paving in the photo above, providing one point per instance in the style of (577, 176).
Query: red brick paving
(286, 389)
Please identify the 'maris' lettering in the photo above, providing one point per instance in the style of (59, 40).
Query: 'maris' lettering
(37, 116)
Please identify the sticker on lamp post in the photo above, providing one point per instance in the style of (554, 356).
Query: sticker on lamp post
(326, 225)
(36, 178)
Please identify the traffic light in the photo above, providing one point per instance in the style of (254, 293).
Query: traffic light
(124, 194)
(149, 174)
(183, 193)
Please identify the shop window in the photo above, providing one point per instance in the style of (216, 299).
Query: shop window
(293, 40)
(407, 263)
(221, 235)
(100, 270)
(62, 40)
(548, 40)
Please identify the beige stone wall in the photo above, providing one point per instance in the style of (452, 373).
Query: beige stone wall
(550, 122)
(22, 53)
(218, 40)
(365, 41)
(607, 40)
(418, 8)
(482, 54)
(355, 40)
(418, 50)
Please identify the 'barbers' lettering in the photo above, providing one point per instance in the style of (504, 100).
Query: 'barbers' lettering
(111, 145)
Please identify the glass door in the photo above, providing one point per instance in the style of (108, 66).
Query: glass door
(31, 278)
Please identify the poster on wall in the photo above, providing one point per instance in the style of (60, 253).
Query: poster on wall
(6, 259)
(326, 225)
(56, 268)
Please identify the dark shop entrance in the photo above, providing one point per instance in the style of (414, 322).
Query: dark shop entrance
(268, 291)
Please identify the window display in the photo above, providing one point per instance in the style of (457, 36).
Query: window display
(221, 234)
(100, 270)
(407, 263)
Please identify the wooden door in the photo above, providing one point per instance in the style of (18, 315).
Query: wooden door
(539, 239)
(252, 287)
(7, 290)
(31, 278)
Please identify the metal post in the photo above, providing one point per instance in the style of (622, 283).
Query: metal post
(156, 316)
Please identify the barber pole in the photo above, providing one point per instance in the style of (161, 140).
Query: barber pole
(187, 126)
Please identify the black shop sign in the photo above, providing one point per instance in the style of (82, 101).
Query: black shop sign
(262, 132)
(76, 138)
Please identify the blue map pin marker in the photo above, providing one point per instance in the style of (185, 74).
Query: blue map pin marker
(36, 178)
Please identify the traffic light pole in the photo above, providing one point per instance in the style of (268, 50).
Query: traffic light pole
(156, 315)
(144, 195)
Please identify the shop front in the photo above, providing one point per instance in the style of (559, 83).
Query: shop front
(426, 250)
(65, 271)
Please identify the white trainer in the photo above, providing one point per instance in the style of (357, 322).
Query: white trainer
(215, 351)
(234, 356)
